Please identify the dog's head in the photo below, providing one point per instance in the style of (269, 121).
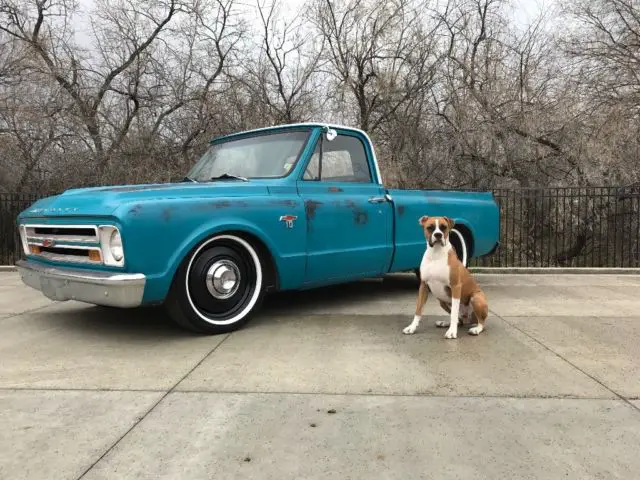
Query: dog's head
(436, 229)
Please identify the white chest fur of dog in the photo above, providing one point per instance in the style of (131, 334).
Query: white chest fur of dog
(435, 272)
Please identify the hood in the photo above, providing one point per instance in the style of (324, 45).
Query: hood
(100, 201)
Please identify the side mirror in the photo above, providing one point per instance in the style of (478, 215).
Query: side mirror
(331, 134)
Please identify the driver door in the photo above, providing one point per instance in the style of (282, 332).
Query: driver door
(348, 219)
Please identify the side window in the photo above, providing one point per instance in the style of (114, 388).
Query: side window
(343, 160)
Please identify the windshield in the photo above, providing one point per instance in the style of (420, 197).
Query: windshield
(262, 156)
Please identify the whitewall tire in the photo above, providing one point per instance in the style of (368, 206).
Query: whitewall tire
(218, 286)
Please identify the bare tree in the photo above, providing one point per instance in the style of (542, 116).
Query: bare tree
(380, 53)
(284, 75)
(42, 25)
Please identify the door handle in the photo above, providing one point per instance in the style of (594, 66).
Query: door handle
(377, 199)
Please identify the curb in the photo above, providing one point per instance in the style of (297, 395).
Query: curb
(556, 270)
(8, 268)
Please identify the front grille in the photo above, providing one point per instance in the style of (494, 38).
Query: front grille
(63, 233)
(63, 243)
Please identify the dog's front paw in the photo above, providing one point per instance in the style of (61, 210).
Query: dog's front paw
(476, 330)
(451, 334)
(409, 330)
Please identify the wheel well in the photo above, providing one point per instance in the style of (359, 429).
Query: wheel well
(270, 270)
(272, 281)
(468, 238)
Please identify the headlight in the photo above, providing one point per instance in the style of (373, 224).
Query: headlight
(23, 239)
(115, 244)
(111, 246)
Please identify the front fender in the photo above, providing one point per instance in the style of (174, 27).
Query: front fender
(207, 231)
(158, 236)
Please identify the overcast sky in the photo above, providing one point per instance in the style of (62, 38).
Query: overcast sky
(523, 12)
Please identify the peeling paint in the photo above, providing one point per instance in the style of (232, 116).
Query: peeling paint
(401, 209)
(136, 188)
(221, 204)
(335, 190)
(135, 210)
(310, 207)
(285, 203)
(360, 218)
(166, 214)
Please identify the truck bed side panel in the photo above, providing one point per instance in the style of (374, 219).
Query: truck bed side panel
(477, 211)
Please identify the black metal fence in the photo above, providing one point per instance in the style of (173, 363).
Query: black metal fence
(568, 227)
(11, 204)
(540, 227)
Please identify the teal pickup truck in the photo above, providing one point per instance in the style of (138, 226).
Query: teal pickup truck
(289, 207)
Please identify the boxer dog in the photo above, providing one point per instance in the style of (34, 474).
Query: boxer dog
(443, 275)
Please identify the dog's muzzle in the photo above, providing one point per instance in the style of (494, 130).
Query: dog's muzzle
(438, 238)
(440, 241)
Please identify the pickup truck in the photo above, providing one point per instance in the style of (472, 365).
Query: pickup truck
(289, 207)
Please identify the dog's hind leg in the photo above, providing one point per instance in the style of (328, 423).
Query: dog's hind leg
(481, 311)
(423, 293)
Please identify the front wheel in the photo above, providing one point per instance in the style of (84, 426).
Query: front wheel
(218, 286)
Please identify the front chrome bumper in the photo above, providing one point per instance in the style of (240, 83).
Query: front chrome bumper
(96, 287)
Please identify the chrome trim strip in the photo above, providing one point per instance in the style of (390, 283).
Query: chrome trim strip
(62, 238)
(113, 289)
(70, 247)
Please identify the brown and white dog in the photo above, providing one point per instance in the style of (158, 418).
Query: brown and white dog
(443, 275)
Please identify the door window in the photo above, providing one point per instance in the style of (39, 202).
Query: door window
(343, 160)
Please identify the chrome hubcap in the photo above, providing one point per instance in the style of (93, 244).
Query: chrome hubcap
(223, 279)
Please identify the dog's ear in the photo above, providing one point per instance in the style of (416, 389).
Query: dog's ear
(423, 220)
(450, 222)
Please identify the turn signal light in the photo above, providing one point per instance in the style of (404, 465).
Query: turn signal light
(94, 255)
(35, 249)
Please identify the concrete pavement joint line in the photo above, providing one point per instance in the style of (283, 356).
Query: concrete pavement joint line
(394, 395)
(11, 315)
(620, 397)
(258, 392)
(71, 389)
(137, 422)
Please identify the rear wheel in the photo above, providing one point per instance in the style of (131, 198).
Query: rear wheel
(460, 244)
(218, 286)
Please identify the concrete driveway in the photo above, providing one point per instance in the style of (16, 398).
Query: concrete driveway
(323, 384)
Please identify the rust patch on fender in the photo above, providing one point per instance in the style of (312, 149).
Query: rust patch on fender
(401, 209)
(335, 190)
(222, 204)
(135, 210)
(166, 213)
(284, 203)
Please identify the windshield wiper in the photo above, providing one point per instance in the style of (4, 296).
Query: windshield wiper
(189, 179)
(226, 176)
